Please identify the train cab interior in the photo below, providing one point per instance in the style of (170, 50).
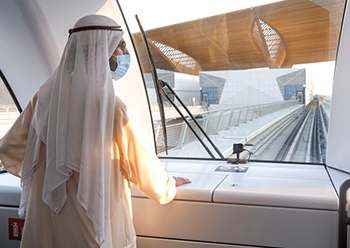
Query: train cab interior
(247, 99)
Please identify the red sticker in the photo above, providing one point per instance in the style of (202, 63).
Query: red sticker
(15, 228)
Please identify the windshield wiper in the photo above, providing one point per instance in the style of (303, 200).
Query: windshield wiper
(156, 85)
(167, 95)
(159, 86)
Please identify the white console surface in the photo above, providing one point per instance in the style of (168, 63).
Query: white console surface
(201, 188)
(273, 191)
(264, 184)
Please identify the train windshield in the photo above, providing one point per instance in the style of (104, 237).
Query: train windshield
(258, 73)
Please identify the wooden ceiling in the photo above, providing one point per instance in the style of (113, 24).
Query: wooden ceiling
(308, 33)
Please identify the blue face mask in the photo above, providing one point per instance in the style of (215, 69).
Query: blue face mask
(123, 62)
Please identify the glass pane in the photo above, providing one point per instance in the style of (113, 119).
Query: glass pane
(8, 112)
(252, 72)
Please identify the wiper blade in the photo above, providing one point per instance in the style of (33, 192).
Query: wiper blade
(162, 85)
(159, 84)
(156, 85)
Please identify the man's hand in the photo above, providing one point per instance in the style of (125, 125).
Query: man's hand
(181, 181)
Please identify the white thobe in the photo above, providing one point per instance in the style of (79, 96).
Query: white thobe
(131, 162)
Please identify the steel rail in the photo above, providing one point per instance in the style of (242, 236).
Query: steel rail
(284, 150)
(315, 135)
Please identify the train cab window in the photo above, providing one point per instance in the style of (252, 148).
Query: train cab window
(8, 111)
(258, 73)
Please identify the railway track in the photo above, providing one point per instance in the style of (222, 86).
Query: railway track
(297, 138)
(299, 128)
(303, 144)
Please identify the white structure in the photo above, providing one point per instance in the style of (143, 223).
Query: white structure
(251, 87)
(186, 86)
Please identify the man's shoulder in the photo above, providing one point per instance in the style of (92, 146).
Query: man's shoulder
(119, 104)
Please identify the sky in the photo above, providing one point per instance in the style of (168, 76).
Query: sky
(321, 75)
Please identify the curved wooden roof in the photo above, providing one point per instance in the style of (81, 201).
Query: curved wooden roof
(306, 32)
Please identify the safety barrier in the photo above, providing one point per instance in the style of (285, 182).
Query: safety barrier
(214, 121)
(8, 112)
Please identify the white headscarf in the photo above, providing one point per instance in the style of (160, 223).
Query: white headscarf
(74, 117)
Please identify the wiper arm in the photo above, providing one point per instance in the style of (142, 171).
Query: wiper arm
(159, 84)
(162, 85)
(156, 85)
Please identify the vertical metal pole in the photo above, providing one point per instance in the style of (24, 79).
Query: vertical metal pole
(220, 121)
(183, 134)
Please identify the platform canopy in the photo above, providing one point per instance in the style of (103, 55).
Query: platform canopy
(277, 35)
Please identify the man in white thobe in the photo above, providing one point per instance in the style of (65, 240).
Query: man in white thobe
(76, 149)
